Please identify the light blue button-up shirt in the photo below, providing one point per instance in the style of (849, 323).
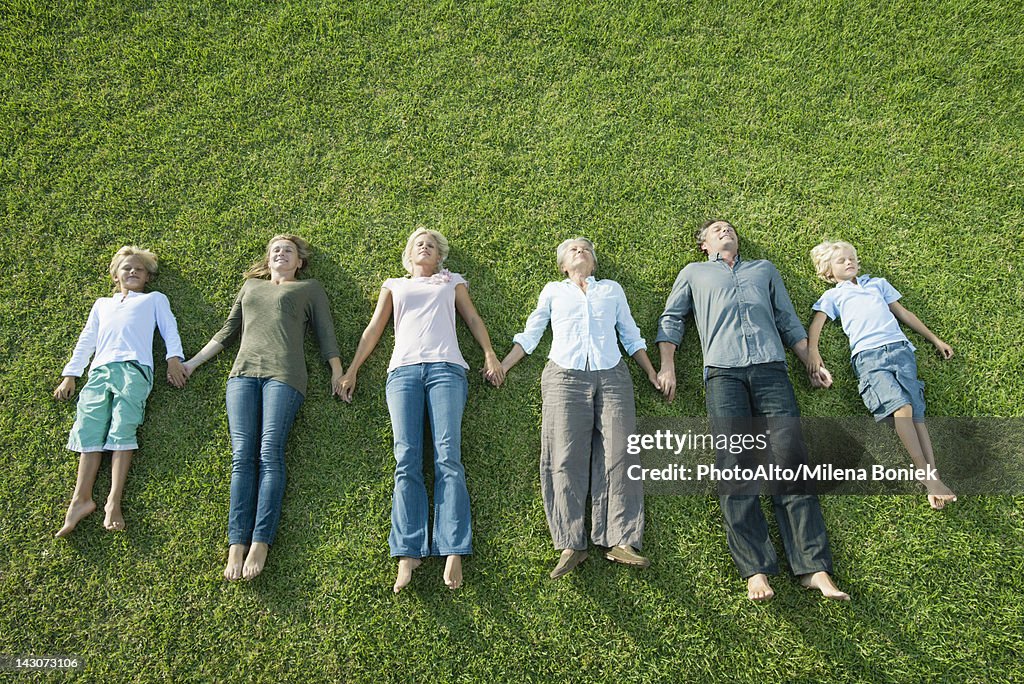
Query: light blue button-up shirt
(583, 325)
(743, 314)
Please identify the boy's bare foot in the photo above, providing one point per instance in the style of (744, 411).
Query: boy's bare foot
(453, 572)
(405, 567)
(758, 588)
(76, 511)
(114, 519)
(939, 494)
(236, 558)
(255, 560)
(823, 583)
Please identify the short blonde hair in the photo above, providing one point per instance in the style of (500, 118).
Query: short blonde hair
(261, 269)
(563, 249)
(823, 254)
(147, 258)
(440, 240)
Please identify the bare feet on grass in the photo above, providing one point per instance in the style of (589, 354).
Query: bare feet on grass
(113, 521)
(938, 494)
(758, 588)
(823, 583)
(255, 560)
(405, 567)
(453, 572)
(76, 512)
(236, 558)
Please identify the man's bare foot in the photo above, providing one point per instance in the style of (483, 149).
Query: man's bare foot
(255, 560)
(758, 588)
(939, 494)
(236, 557)
(405, 567)
(114, 519)
(453, 572)
(76, 511)
(823, 583)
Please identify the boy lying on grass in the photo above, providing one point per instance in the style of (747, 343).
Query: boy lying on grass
(883, 357)
(119, 331)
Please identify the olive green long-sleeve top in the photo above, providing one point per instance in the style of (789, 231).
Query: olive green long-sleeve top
(272, 321)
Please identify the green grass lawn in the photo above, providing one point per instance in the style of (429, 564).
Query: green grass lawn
(200, 129)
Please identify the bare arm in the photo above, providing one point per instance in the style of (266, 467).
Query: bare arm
(813, 336)
(667, 376)
(819, 378)
(367, 343)
(211, 349)
(514, 356)
(907, 318)
(642, 360)
(492, 369)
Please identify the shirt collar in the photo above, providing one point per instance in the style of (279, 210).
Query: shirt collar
(717, 256)
(862, 280)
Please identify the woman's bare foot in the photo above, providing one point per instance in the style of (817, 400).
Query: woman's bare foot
(255, 560)
(758, 588)
(114, 519)
(76, 511)
(939, 494)
(453, 572)
(405, 567)
(236, 557)
(823, 583)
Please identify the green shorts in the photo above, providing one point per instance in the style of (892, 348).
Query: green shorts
(110, 408)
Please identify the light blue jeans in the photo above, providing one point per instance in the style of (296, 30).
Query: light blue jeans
(260, 415)
(436, 391)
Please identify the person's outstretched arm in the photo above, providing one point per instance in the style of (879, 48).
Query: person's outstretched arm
(492, 370)
(907, 318)
(367, 343)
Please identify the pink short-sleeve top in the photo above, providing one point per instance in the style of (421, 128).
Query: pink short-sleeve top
(424, 311)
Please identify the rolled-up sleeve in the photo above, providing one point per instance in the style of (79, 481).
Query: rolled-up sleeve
(672, 322)
(536, 323)
(791, 330)
(629, 333)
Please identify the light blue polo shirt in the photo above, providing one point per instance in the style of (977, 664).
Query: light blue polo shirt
(863, 308)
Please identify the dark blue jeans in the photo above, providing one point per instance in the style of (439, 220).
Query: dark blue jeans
(742, 399)
(260, 415)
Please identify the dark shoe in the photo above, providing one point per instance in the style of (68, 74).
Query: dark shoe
(627, 555)
(569, 559)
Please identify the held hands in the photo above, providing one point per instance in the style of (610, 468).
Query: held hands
(337, 389)
(821, 378)
(346, 386)
(493, 371)
(667, 383)
(945, 351)
(177, 374)
(654, 379)
(65, 389)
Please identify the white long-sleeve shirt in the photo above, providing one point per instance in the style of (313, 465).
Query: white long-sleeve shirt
(583, 325)
(121, 328)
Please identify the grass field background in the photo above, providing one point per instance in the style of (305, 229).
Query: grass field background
(200, 129)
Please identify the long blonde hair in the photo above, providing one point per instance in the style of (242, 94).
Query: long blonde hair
(261, 268)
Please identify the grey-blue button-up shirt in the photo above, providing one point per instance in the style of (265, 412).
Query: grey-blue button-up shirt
(743, 314)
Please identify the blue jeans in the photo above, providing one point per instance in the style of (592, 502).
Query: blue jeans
(260, 415)
(738, 399)
(437, 391)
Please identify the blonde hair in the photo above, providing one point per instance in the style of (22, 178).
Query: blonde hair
(261, 268)
(823, 254)
(562, 250)
(440, 240)
(147, 258)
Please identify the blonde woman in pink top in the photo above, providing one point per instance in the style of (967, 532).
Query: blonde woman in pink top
(426, 379)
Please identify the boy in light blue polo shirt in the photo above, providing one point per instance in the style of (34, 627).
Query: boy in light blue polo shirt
(882, 356)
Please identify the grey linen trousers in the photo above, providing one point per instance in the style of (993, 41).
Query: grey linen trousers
(587, 416)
